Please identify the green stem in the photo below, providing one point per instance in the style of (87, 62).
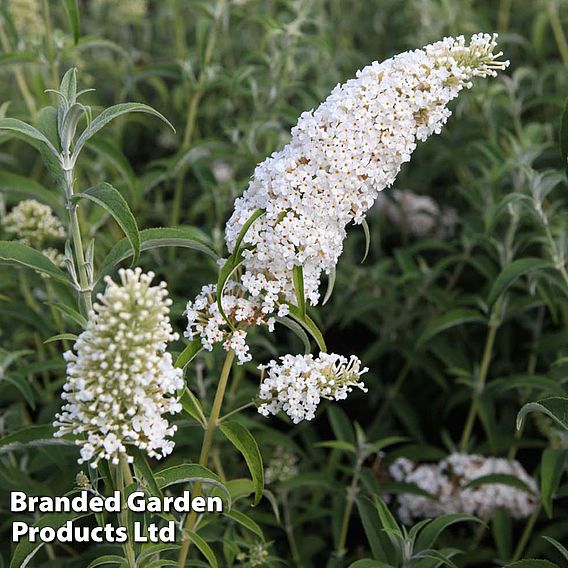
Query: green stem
(124, 478)
(20, 78)
(289, 529)
(522, 544)
(212, 423)
(557, 30)
(85, 292)
(349, 502)
(50, 48)
(480, 384)
(504, 15)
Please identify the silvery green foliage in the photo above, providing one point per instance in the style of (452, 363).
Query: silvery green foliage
(447, 482)
(121, 382)
(297, 383)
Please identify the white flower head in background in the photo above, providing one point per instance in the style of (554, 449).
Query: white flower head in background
(341, 156)
(120, 381)
(33, 223)
(447, 481)
(418, 215)
(296, 383)
(283, 466)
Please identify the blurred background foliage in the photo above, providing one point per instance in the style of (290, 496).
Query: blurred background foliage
(441, 310)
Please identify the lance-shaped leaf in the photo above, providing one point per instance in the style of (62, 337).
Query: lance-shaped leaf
(27, 131)
(298, 279)
(109, 115)
(244, 441)
(233, 262)
(552, 467)
(204, 548)
(451, 319)
(32, 436)
(500, 478)
(21, 186)
(189, 353)
(556, 407)
(190, 473)
(514, 271)
(26, 550)
(309, 325)
(22, 255)
(110, 199)
(367, 232)
(72, 9)
(187, 237)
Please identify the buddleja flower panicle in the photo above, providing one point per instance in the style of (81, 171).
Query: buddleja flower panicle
(296, 383)
(447, 481)
(121, 382)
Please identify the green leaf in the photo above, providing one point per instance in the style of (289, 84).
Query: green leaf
(110, 114)
(387, 520)
(297, 329)
(27, 131)
(32, 436)
(26, 550)
(233, 262)
(110, 199)
(246, 522)
(531, 563)
(244, 230)
(144, 473)
(337, 445)
(244, 441)
(298, 279)
(502, 529)
(340, 424)
(192, 406)
(72, 9)
(106, 560)
(368, 563)
(18, 57)
(204, 548)
(309, 325)
(380, 545)
(189, 353)
(430, 533)
(21, 186)
(367, 232)
(70, 313)
(189, 472)
(564, 136)
(552, 466)
(61, 337)
(499, 478)
(451, 319)
(330, 286)
(22, 255)
(514, 271)
(562, 549)
(158, 237)
(556, 407)
(112, 153)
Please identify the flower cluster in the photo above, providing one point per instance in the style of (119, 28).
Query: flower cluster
(256, 555)
(446, 481)
(206, 321)
(341, 156)
(33, 223)
(282, 467)
(297, 383)
(418, 215)
(120, 381)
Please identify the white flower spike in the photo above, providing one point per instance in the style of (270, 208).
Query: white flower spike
(120, 381)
